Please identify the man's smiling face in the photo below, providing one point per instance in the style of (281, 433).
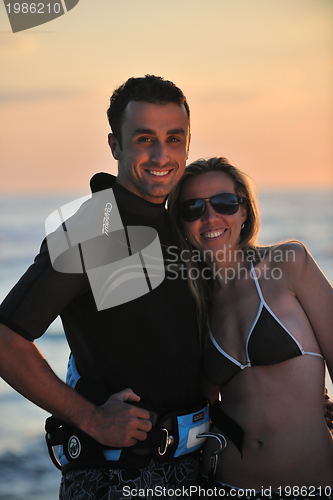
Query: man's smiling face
(155, 142)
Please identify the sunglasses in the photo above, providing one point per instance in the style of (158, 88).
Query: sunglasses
(223, 203)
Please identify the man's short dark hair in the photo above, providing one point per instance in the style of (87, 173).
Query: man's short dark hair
(150, 88)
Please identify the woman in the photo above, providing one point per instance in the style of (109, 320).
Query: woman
(270, 327)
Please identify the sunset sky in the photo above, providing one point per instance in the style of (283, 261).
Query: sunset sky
(257, 74)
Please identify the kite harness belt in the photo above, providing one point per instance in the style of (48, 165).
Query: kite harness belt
(173, 435)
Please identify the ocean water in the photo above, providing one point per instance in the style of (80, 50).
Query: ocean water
(26, 473)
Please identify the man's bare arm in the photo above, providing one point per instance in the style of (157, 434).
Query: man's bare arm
(116, 423)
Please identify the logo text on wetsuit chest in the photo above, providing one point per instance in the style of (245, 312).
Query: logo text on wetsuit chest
(106, 218)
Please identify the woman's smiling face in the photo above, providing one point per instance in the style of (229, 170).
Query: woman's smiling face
(212, 231)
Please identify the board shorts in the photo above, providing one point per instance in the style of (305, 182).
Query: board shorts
(171, 480)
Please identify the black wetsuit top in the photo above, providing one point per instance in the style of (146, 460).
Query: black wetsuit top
(149, 344)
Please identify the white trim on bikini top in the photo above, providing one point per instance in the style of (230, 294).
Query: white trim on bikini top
(262, 304)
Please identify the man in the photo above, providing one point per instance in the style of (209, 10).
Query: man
(136, 364)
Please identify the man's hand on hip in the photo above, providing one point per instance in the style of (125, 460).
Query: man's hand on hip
(118, 423)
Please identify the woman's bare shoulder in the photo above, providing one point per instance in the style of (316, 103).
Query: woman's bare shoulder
(289, 256)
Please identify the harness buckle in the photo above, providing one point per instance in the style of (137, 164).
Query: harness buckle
(215, 454)
(167, 442)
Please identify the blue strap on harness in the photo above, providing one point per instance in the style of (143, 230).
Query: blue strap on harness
(178, 431)
(72, 375)
(189, 426)
(72, 378)
(178, 441)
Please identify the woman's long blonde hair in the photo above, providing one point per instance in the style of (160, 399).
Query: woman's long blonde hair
(243, 189)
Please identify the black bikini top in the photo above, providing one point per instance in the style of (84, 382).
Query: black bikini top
(268, 343)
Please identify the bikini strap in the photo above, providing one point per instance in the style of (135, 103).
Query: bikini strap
(255, 277)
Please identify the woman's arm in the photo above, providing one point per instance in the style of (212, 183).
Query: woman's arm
(315, 294)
